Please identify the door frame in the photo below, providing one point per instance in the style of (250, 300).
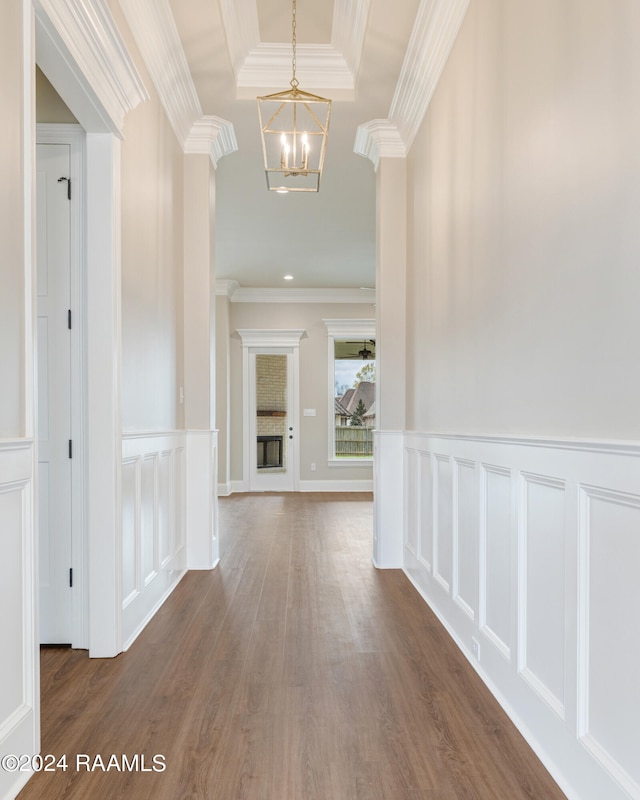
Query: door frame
(286, 342)
(74, 136)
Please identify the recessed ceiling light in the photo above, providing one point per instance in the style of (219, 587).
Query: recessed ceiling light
(288, 277)
(282, 190)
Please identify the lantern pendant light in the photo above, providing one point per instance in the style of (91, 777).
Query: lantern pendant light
(294, 126)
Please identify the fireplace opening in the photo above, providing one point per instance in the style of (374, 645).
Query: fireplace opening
(269, 451)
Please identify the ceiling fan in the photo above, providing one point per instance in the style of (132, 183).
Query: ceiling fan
(365, 354)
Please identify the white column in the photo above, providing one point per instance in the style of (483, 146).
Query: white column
(104, 426)
(199, 362)
(391, 244)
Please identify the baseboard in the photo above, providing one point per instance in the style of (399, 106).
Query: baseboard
(336, 486)
(224, 489)
(153, 611)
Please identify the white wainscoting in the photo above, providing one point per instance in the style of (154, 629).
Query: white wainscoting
(153, 524)
(19, 664)
(531, 549)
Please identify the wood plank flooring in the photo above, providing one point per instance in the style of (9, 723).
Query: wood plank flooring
(294, 671)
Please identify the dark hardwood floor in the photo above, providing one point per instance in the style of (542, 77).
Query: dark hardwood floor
(294, 671)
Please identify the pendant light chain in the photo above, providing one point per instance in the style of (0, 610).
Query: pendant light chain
(294, 80)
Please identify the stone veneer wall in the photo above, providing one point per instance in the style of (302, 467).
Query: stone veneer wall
(271, 395)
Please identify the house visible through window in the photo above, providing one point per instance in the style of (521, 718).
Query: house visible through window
(354, 385)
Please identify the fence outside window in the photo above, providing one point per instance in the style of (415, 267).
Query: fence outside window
(354, 442)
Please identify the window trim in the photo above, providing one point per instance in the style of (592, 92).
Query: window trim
(341, 329)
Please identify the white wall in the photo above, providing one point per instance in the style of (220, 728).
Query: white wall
(19, 665)
(152, 263)
(314, 382)
(521, 496)
(525, 185)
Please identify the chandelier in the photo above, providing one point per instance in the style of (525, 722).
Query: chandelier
(294, 126)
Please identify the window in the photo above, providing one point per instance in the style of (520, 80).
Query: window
(352, 390)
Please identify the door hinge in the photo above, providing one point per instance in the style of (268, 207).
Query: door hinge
(70, 449)
(70, 577)
(69, 319)
(68, 180)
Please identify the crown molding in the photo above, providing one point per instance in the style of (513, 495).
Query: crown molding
(377, 139)
(349, 26)
(350, 327)
(240, 20)
(434, 33)
(225, 288)
(270, 338)
(155, 32)
(330, 296)
(211, 136)
(318, 66)
(267, 66)
(83, 35)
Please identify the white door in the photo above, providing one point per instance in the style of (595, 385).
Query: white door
(272, 434)
(54, 391)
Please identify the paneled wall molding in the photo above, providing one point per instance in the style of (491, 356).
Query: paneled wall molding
(19, 671)
(611, 446)
(153, 475)
(543, 597)
(434, 32)
(156, 35)
(82, 35)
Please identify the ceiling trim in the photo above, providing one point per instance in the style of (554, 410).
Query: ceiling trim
(212, 136)
(155, 32)
(350, 327)
(377, 139)
(318, 66)
(349, 27)
(434, 33)
(240, 20)
(225, 288)
(239, 294)
(270, 338)
(84, 35)
(260, 65)
(435, 30)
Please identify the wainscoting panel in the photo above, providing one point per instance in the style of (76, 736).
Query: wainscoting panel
(19, 712)
(153, 513)
(496, 548)
(424, 479)
(130, 525)
(610, 632)
(412, 501)
(544, 599)
(443, 539)
(465, 537)
(541, 585)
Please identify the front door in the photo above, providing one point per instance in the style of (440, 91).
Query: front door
(54, 391)
(272, 434)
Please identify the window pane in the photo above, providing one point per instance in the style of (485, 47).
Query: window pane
(354, 393)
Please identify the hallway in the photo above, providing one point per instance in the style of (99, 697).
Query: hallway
(293, 671)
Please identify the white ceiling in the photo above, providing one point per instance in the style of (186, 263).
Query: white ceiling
(351, 51)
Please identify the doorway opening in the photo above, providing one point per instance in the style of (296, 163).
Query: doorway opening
(60, 384)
